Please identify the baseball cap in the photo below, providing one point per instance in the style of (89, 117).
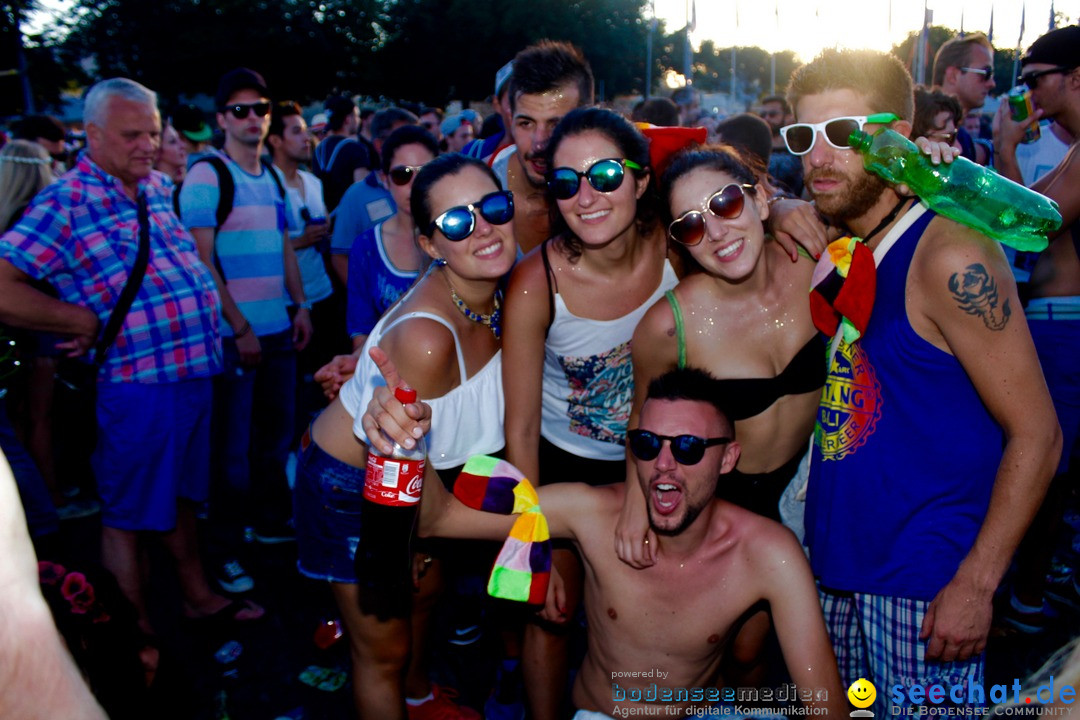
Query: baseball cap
(452, 123)
(1059, 47)
(502, 76)
(190, 122)
(239, 79)
(318, 123)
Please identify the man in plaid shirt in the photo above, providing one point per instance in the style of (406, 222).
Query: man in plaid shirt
(153, 405)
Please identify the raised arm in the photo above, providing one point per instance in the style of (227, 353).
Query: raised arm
(525, 321)
(654, 351)
(989, 337)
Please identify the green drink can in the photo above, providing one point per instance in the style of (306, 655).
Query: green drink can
(1020, 105)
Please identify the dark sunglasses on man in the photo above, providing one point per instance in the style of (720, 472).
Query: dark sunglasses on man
(686, 449)
(986, 72)
(242, 110)
(1031, 79)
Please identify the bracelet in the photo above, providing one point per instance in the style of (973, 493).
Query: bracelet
(306, 305)
(775, 198)
(243, 331)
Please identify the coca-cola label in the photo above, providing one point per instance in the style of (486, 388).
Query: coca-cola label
(393, 482)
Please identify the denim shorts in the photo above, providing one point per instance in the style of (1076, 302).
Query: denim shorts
(327, 505)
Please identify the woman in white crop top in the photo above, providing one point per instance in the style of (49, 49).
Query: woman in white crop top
(571, 308)
(444, 336)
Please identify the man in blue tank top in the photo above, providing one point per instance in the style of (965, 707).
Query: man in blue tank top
(936, 437)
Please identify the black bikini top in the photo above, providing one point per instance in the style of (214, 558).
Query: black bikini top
(747, 397)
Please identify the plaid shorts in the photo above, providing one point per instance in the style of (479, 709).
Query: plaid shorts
(877, 637)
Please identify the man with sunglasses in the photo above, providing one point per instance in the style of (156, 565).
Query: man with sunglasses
(1051, 69)
(714, 561)
(549, 80)
(936, 436)
(253, 262)
(964, 67)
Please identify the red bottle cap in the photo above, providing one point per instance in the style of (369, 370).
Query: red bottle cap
(405, 394)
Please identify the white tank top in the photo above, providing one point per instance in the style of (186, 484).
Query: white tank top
(588, 383)
(466, 421)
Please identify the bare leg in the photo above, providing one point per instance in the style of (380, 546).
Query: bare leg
(544, 661)
(417, 684)
(120, 556)
(379, 651)
(183, 544)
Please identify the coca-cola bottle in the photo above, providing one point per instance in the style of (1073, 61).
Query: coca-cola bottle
(392, 486)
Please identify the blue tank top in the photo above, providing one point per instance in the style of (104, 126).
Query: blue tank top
(905, 454)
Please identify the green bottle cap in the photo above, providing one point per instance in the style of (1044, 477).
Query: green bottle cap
(859, 140)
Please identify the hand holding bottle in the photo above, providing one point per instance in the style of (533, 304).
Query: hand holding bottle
(387, 418)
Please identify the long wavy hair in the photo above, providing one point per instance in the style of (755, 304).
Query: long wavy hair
(25, 169)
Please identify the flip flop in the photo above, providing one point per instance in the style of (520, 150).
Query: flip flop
(227, 615)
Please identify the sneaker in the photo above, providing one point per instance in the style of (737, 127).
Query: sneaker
(1064, 591)
(441, 707)
(234, 579)
(78, 509)
(1027, 619)
(275, 534)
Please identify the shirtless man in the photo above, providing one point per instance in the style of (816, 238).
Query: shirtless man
(714, 560)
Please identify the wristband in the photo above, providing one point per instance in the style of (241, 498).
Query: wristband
(243, 331)
(306, 305)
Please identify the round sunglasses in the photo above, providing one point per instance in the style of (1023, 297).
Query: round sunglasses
(800, 137)
(403, 174)
(726, 203)
(241, 110)
(686, 449)
(459, 222)
(604, 175)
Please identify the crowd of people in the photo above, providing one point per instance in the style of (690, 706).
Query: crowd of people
(209, 315)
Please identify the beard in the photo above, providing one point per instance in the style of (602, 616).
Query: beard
(692, 512)
(862, 194)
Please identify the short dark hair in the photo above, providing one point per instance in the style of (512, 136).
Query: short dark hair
(631, 143)
(338, 108)
(955, 53)
(433, 172)
(279, 112)
(384, 121)
(748, 133)
(684, 96)
(407, 135)
(661, 112)
(777, 99)
(548, 65)
(928, 103)
(33, 127)
(428, 109)
(721, 158)
(693, 384)
(878, 76)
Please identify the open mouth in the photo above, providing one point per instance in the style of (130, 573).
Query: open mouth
(728, 252)
(666, 497)
(593, 216)
(489, 250)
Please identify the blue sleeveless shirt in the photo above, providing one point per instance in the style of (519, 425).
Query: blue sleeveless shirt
(905, 454)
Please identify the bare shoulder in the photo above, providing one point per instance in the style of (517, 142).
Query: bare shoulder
(574, 509)
(528, 273)
(763, 542)
(424, 351)
(946, 244)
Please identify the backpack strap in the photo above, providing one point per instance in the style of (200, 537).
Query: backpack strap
(226, 187)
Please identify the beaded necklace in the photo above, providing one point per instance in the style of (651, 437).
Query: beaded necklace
(493, 320)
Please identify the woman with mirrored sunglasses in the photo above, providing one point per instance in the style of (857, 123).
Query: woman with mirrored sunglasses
(572, 305)
(444, 335)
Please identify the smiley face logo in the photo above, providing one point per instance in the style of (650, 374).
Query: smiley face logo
(862, 693)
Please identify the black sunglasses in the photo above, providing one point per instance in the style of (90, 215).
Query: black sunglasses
(1031, 79)
(686, 449)
(727, 203)
(241, 110)
(403, 174)
(604, 175)
(459, 222)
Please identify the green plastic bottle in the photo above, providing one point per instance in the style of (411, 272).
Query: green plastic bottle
(963, 191)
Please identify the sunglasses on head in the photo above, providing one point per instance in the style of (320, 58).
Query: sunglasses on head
(800, 137)
(986, 72)
(726, 203)
(604, 175)
(459, 222)
(403, 174)
(686, 449)
(1031, 79)
(241, 110)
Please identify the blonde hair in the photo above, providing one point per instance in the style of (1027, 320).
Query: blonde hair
(25, 169)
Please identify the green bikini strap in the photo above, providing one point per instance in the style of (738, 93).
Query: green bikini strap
(680, 332)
